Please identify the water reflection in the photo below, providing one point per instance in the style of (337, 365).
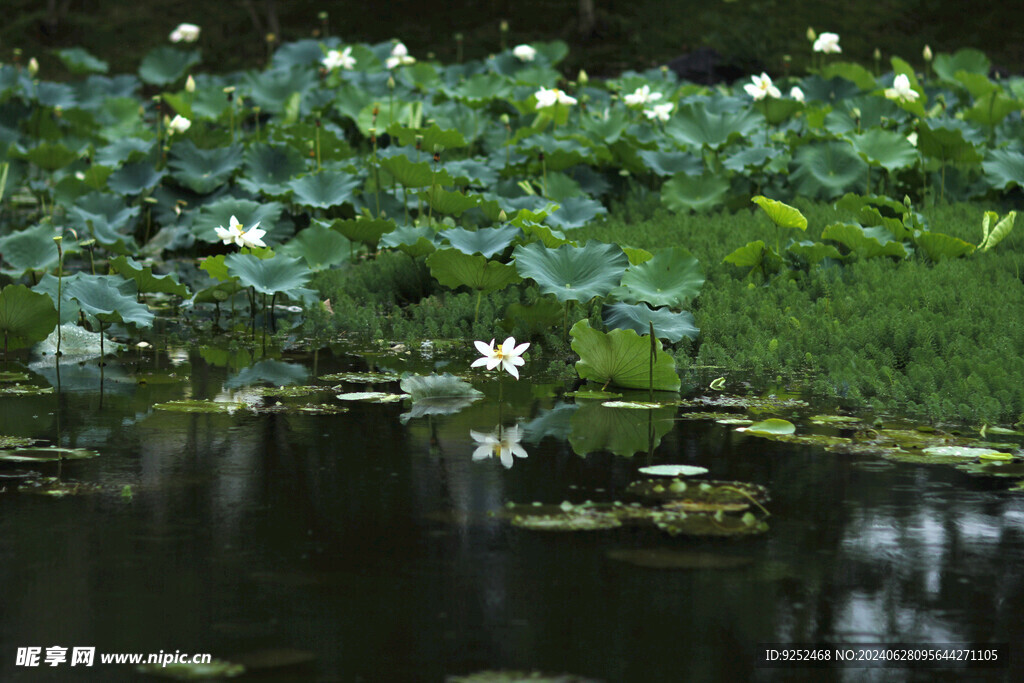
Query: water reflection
(502, 443)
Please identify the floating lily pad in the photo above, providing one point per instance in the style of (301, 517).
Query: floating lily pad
(55, 488)
(24, 390)
(729, 420)
(200, 406)
(636, 405)
(666, 558)
(292, 391)
(706, 524)
(770, 427)
(566, 517)
(371, 396)
(15, 441)
(960, 451)
(361, 377)
(833, 419)
(50, 454)
(214, 670)
(994, 468)
(703, 496)
(673, 470)
(13, 377)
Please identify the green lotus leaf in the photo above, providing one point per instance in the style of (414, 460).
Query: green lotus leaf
(104, 216)
(555, 423)
(864, 243)
(828, 169)
(431, 137)
(31, 250)
(885, 148)
(575, 212)
(268, 168)
(622, 358)
(325, 189)
(50, 156)
(1004, 168)
(783, 215)
(57, 95)
(413, 175)
(772, 426)
(449, 203)
(145, 280)
(978, 84)
(830, 91)
(672, 162)
(268, 276)
(165, 65)
(946, 144)
(693, 124)
(539, 317)
(268, 372)
(639, 317)
(672, 278)
(26, 317)
(682, 193)
(483, 87)
(778, 110)
(364, 230)
(991, 109)
(100, 297)
(559, 154)
(595, 427)
(414, 241)
(549, 237)
(453, 268)
(938, 246)
(636, 255)
(750, 255)
(749, 158)
(421, 387)
(271, 89)
(814, 252)
(967, 59)
(852, 72)
(486, 241)
(80, 62)
(572, 273)
(994, 230)
(606, 129)
(124, 150)
(248, 212)
(48, 284)
(476, 172)
(388, 113)
(45, 454)
(320, 246)
(135, 178)
(301, 137)
(203, 170)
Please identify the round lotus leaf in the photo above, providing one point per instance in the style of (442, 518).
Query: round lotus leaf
(673, 470)
(453, 269)
(703, 496)
(268, 276)
(961, 451)
(887, 149)
(682, 193)
(828, 169)
(694, 125)
(672, 278)
(325, 189)
(770, 427)
(566, 517)
(486, 241)
(199, 406)
(26, 317)
(572, 273)
(164, 65)
(203, 170)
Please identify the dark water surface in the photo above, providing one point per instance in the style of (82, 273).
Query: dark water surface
(366, 542)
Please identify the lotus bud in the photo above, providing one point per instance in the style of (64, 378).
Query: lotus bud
(927, 53)
(503, 26)
(391, 82)
(878, 55)
(906, 200)
(190, 84)
(811, 35)
(58, 239)
(502, 216)
(505, 120)
(582, 79)
(33, 67)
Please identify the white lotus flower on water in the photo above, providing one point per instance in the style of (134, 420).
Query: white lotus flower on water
(339, 59)
(503, 443)
(524, 53)
(641, 96)
(761, 87)
(901, 89)
(179, 124)
(185, 33)
(549, 97)
(660, 112)
(507, 355)
(827, 42)
(399, 56)
(797, 94)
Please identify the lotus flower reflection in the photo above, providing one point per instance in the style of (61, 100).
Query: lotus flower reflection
(507, 355)
(502, 443)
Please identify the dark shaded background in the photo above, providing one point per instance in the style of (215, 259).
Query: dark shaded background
(616, 35)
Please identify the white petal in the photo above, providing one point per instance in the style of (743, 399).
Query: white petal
(506, 458)
(482, 453)
(519, 350)
(511, 369)
(484, 348)
(493, 363)
(480, 361)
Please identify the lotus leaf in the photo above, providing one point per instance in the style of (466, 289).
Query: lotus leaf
(486, 241)
(693, 124)
(828, 169)
(682, 192)
(415, 175)
(319, 246)
(268, 168)
(994, 230)
(325, 189)
(672, 278)
(135, 178)
(771, 426)
(1004, 168)
(146, 280)
(575, 212)
(639, 318)
(79, 61)
(938, 246)
(864, 243)
(203, 170)
(26, 317)
(414, 241)
(449, 203)
(248, 212)
(622, 358)
(164, 65)
(270, 372)
(453, 268)
(364, 230)
(277, 275)
(100, 297)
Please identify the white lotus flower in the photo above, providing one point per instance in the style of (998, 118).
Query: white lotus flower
(399, 56)
(232, 234)
(827, 42)
(339, 58)
(185, 33)
(761, 86)
(641, 96)
(797, 94)
(912, 139)
(253, 237)
(550, 97)
(507, 355)
(501, 443)
(179, 124)
(659, 112)
(524, 53)
(901, 89)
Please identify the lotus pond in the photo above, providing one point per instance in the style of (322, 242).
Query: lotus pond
(254, 510)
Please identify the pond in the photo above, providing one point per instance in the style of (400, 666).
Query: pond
(368, 545)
